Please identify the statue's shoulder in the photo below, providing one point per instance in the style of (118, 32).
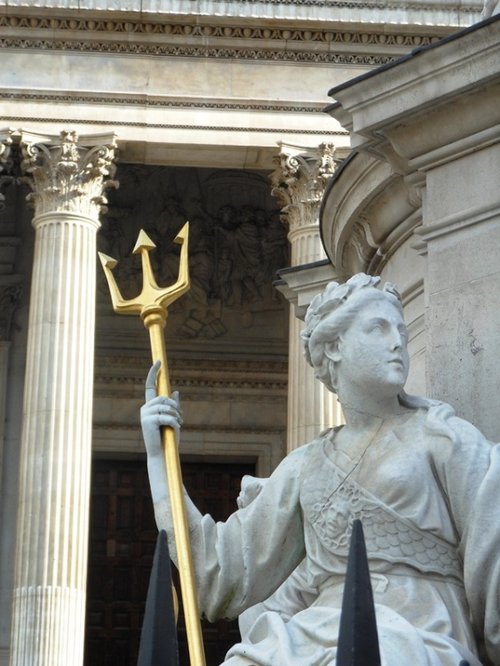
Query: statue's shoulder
(441, 419)
(466, 432)
(302, 455)
(286, 478)
(313, 454)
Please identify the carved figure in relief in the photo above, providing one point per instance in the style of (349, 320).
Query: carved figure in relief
(235, 247)
(424, 483)
(237, 237)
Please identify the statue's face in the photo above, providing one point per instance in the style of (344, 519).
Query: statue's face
(372, 353)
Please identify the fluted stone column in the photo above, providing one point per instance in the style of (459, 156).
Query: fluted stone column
(68, 177)
(299, 183)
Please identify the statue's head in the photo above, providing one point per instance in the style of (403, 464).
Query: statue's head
(355, 332)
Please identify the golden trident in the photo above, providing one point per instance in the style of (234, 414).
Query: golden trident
(151, 305)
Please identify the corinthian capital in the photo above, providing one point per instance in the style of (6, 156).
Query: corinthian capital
(68, 173)
(299, 182)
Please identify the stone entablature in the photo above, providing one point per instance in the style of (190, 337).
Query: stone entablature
(213, 84)
(310, 11)
(330, 42)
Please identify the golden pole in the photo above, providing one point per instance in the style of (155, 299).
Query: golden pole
(152, 305)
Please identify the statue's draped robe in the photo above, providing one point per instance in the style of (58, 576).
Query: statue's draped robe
(426, 486)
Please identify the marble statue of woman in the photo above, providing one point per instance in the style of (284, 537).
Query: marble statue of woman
(425, 484)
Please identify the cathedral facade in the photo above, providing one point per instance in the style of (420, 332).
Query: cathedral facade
(303, 142)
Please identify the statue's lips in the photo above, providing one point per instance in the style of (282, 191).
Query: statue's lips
(398, 361)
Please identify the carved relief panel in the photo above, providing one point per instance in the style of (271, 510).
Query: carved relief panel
(236, 244)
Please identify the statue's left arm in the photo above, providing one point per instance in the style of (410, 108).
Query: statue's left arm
(242, 561)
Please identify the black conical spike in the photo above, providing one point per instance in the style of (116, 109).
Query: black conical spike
(159, 632)
(358, 638)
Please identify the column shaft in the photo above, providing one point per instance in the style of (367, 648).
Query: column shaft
(56, 445)
(54, 488)
(299, 183)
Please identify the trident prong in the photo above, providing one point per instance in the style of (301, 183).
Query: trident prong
(151, 296)
(152, 304)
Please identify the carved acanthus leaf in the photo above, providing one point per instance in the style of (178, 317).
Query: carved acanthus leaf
(68, 176)
(299, 182)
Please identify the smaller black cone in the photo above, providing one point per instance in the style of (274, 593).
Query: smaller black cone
(358, 638)
(159, 632)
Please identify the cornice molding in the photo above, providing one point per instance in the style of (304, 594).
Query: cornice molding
(188, 12)
(337, 44)
(225, 365)
(325, 57)
(200, 382)
(487, 214)
(186, 430)
(165, 102)
(261, 376)
(120, 123)
(278, 33)
(201, 390)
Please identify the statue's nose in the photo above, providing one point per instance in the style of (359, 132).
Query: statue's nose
(397, 341)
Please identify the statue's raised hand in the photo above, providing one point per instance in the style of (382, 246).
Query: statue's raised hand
(157, 412)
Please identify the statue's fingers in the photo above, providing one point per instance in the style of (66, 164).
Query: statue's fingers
(150, 391)
(170, 409)
(175, 403)
(175, 397)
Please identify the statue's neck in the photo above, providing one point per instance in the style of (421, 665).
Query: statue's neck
(362, 413)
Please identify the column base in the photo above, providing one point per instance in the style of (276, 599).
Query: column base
(47, 626)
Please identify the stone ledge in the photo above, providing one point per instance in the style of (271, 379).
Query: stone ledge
(430, 12)
(429, 78)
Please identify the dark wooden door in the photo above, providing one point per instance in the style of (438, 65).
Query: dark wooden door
(122, 540)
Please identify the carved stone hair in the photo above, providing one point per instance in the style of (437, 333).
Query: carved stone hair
(330, 315)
